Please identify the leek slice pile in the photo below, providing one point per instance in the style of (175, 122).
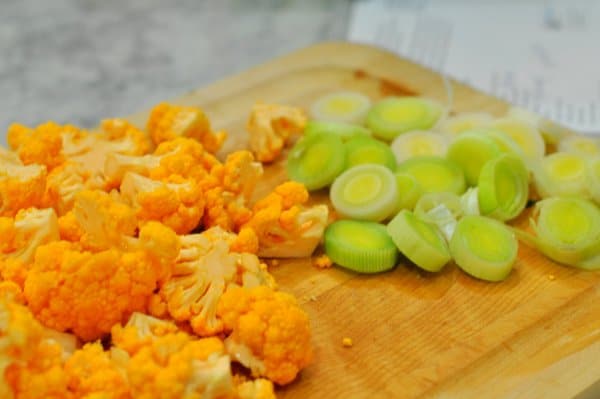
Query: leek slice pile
(567, 230)
(471, 150)
(484, 248)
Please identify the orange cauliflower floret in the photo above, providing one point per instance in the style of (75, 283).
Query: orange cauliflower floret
(229, 189)
(41, 145)
(69, 228)
(268, 332)
(30, 362)
(169, 121)
(255, 389)
(65, 181)
(284, 225)
(141, 330)
(206, 266)
(178, 205)
(270, 127)
(21, 237)
(91, 373)
(181, 156)
(179, 367)
(21, 187)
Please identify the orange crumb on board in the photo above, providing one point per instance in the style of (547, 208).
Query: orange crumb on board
(551, 277)
(347, 342)
(322, 262)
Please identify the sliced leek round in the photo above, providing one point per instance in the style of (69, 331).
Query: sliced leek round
(560, 173)
(419, 241)
(471, 150)
(346, 131)
(365, 192)
(593, 179)
(316, 160)
(440, 209)
(484, 248)
(567, 230)
(526, 135)
(343, 106)
(506, 143)
(419, 143)
(551, 132)
(583, 146)
(364, 247)
(396, 115)
(503, 187)
(465, 121)
(367, 150)
(434, 174)
(409, 191)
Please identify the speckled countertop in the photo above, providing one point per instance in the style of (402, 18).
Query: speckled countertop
(78, 61)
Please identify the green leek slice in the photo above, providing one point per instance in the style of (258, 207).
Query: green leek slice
(316, 160)
(484, 248)
(365, 192)
(409, 191)
(440, 209)
(464, 121)
(526, 135)
(580, 145)
(471, 150)
(503, 187)
(593, 179)
(419, 143)
(419, 241)
(560, 174)
(364, 247)
(506, 143)
(366, 150)
(346, 131)
(434, 174)
(343, 106)
(395, 115)
(567, 230)
(550, 131)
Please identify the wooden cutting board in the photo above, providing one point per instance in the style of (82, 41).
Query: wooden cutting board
(446, 335)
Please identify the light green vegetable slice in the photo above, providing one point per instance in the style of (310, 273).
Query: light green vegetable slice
(471, 150)
(503, 187)
(367, 150)
(364, 247)
(504, 141)
(550, 131)
(434, 174)
(316, 160)
(593, 179)
(484, 248)
(395, 115)
(560, 173)
(346, 131)
(567, 230)
(526, 135)
(464, 121)
(580, 145)
(343, 106)
(440, 209)
(409, 191)
(365, 192)
(419, 241)
(419, 143)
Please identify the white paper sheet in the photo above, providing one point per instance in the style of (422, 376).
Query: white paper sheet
(540, 55)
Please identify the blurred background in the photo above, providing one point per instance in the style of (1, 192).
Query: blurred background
(78, 61)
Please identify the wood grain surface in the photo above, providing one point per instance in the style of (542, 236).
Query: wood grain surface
(445, 335)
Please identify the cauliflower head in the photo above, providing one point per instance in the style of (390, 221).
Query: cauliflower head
(268, 332)
(169, 121)
(285, 227)
(178, 205)
(270, 127)
(21, 187)
(205, 268)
